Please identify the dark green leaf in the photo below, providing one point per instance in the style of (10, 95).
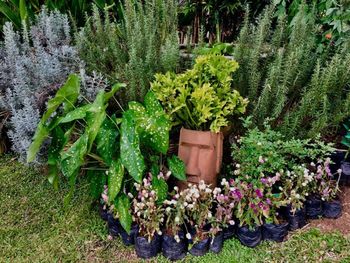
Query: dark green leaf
(106, 140)
(177, 167)
(115, 179)
(95, 117)
(41, 133)
(76, 114)
(122, 204)
(67, 94)
(130, 152)
(115, 88)
(160, 186)
(73, 158)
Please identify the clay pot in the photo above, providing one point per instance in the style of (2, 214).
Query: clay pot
(201, 151)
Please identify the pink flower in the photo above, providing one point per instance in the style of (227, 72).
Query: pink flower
(261, 159)
(259, 193)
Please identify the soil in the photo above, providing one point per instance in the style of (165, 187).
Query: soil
(342, 224)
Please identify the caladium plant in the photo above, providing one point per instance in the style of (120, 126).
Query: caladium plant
(85, 137)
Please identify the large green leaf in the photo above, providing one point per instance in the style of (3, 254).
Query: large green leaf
(97, 179)
(41, 133)
(160, 186)
(115, 88)
(73, 158)
(106, 140)
(177, 167)
(152, 122)
(130, 152)
(76, 114)
(115, 179)
(122, 204)
(67, 94)
(95, 117)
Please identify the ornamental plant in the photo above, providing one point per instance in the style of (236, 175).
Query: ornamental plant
(147, 213)
(175, 212)
(198, 203)
(257, 204)
(201, 98)
(225, 200)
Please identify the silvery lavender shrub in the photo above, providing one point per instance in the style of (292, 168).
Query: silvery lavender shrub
(34, 64)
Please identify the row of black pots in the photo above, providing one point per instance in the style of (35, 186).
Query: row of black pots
(316, 208)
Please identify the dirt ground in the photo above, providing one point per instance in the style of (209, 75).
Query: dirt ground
(342, 223)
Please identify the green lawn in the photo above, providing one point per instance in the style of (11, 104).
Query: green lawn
(35, 227)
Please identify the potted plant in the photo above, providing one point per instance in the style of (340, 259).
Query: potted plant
(198, 204)
(224, 203)
(328, 189)
(149, 216)
(174, 243)
(202, 101)
(295, 189)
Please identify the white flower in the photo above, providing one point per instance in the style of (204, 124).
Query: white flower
(188, 236)
(176, 188)
(238, 165)
(297, 196)
(177, 238)
(168, 209)
(304, 184)
(208, 190)
(159, 232)
(339, 171)
(259, 143)
(130, 195)
(209, 215)
(168, 174)
(177, 219)
(237, 172)
(312, 164)
(231, 222)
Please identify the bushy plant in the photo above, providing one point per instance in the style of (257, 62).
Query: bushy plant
(287, 79)
(146, 212)
(132, 51)
(201, 98)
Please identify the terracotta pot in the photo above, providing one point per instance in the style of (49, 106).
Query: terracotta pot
(201, 151)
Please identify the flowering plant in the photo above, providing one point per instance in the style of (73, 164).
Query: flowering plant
(225, 199)
(175, 212)
(146, 212)
(325, 185)
(198, 204)
(256, 203)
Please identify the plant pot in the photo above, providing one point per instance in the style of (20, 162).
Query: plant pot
(145, 249)
(313, 206)
(249, 237)
(275, 232)
(296, 220)
(229, 232)
(217, 242)
(332, 209)
(114, 226)
(200, 248)
(172, 249)
(340, 162)
(129, 239)
(103, 212)
(201, 151)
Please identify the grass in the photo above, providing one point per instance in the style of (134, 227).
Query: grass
(35, 227)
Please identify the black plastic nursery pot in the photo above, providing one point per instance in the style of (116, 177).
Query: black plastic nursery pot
(172, 249)
(275, 232)
(313, 206)
(296, 220)
(332, 209)
(200, 248)
(103, 212)
(229, 232)
(249, 237)
(145, 249)
(129, 239)
(217, 243)
(114, 226)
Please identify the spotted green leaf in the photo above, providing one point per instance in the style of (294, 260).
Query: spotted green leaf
(160, 186)
(97, 179)
(106, 140)
(177, 167)
(76, 114)
(115, 178)
(130, 152)
(122, 204)
(73, 158)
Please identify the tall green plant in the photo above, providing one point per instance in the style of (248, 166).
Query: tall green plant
(143, 44)
(287, 79)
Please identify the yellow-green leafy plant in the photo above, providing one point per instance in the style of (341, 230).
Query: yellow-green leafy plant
(202, 98)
